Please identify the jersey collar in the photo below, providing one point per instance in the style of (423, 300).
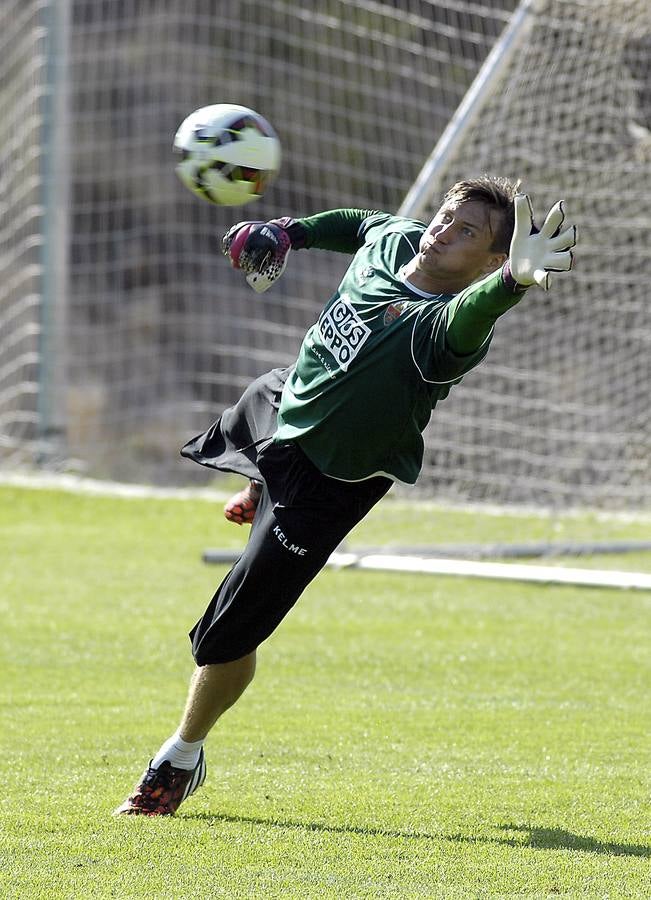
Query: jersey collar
(425, 294)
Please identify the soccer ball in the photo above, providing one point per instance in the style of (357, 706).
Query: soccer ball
(228, 154)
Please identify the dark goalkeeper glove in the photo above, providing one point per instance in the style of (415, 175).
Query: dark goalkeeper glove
(260, 249)
(534, 254)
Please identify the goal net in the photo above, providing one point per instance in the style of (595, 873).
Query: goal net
(123, 331)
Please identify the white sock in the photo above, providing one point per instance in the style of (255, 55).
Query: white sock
(182, 754)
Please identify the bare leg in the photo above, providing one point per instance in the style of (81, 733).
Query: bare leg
(168, 780)
(213, 689)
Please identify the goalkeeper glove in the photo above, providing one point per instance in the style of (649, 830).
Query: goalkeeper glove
(534, 254)
(261, 249)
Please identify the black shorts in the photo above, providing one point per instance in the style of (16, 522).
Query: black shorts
(231, 443)
(301, 519)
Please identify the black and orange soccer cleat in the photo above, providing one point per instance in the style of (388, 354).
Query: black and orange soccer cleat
(242, 506)
(161, 791)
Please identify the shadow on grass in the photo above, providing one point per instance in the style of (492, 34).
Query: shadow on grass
(530, 835)
(559, 839)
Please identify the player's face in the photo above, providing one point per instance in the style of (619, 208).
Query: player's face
(457, 244)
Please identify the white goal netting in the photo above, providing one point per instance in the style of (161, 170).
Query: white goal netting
(123, 331)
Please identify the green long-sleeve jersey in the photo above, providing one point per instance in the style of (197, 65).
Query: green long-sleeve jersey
(382, 353)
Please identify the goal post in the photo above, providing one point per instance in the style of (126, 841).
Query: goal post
(484, 86)
(53, 368)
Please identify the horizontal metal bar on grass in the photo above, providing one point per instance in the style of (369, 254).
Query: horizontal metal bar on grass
(558, 575)
(529, 550)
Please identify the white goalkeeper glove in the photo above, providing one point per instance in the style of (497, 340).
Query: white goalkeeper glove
(260, 250)
(534, 254)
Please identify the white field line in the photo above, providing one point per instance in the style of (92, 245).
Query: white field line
(79, 485)
(82, 485)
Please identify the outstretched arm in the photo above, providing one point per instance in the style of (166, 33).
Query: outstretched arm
(533, 255)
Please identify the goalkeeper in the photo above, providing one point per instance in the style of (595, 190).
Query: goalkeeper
(413, 314)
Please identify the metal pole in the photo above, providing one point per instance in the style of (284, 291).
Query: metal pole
(55, 234)
(483, 87)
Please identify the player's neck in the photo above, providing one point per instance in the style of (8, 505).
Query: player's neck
(431, 284)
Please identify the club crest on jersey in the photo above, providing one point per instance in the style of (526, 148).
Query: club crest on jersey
(393, 310)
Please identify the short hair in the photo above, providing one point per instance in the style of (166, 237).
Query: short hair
(498, 194)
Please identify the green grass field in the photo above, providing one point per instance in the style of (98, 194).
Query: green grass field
(406, 736)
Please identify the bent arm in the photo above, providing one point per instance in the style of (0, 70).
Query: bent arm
(260, 249)
(335, 229)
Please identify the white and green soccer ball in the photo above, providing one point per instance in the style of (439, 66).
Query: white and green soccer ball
(227, 154)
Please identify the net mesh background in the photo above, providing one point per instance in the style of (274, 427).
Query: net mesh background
(149, 335)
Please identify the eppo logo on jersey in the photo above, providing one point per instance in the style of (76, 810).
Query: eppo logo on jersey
(343, 332)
